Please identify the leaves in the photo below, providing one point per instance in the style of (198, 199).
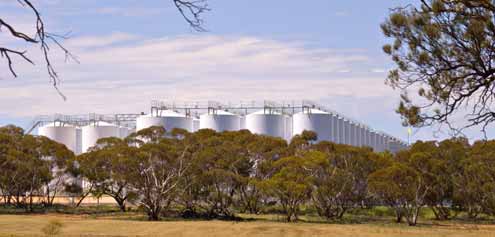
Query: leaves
(443, 49)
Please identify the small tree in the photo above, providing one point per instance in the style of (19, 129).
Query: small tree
(157, 170)
(106, 167)
(406, 182)
(394, 185)
(291, 183)
(340, 182)
(475, 187)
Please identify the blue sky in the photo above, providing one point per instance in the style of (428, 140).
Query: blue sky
(134, 51)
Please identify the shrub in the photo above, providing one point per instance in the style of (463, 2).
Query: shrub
(53, 228)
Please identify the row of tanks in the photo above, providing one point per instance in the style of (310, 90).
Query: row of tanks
(81, 139)
(328, 126)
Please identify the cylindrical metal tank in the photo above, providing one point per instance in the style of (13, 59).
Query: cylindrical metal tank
(220, 120)
(168, 119)
(341, 127)
(243, 122)
(61, 133)
(374, 141)
(289, 128)
(124, 132)
(267, 122)
(348, 132)
(313, 120)
(352, 132)
(335, 129)
(196, 123)
(91, 133)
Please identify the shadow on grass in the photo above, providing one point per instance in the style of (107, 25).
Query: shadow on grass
(377, 216)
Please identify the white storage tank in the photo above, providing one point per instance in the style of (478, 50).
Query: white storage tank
(267, 122)
(168, 119)
(243, 122)
(335, 129)
(220, 120)
(195, 124)
(61, 133)
(347, 132)
(124, 132)
(289, 128)
(341, 127)
(91, 133)
(313, 120)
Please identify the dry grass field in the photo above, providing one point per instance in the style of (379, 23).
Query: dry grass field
(87, 225)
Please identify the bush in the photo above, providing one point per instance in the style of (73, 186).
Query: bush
(53, 228)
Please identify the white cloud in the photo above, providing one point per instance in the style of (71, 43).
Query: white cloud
(378, 70)
(124, 73)
(92, 41)
(129, 12)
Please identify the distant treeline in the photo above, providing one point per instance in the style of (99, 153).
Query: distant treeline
(217, 175)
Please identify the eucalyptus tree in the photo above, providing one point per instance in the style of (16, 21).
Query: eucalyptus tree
(444, 197)
(476, 187)
(291, 183)
(105, 169)
(263, 151)
(340, 182)
(405, 183)
(443, 50)
(157, 169)
(59, 159)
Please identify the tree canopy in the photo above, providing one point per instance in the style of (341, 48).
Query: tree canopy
(443, 50)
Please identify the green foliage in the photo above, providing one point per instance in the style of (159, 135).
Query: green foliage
(340, 179)
(218, 175)
(291, 182)
(444, 49)
(105, 167)
(29, 165)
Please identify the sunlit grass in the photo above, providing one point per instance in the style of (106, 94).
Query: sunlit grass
(134, 224)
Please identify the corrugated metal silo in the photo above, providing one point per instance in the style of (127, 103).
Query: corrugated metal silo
(313, 120)
(91, 133)
(220, 120)
(61, 133)
(168, 119)
(267, 122)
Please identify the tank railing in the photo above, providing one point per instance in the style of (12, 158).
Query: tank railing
(127, 120)
(284, 107)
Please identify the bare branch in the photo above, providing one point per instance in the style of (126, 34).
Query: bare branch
(191, 11)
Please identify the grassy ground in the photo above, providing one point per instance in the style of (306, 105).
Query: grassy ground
(134, 225)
